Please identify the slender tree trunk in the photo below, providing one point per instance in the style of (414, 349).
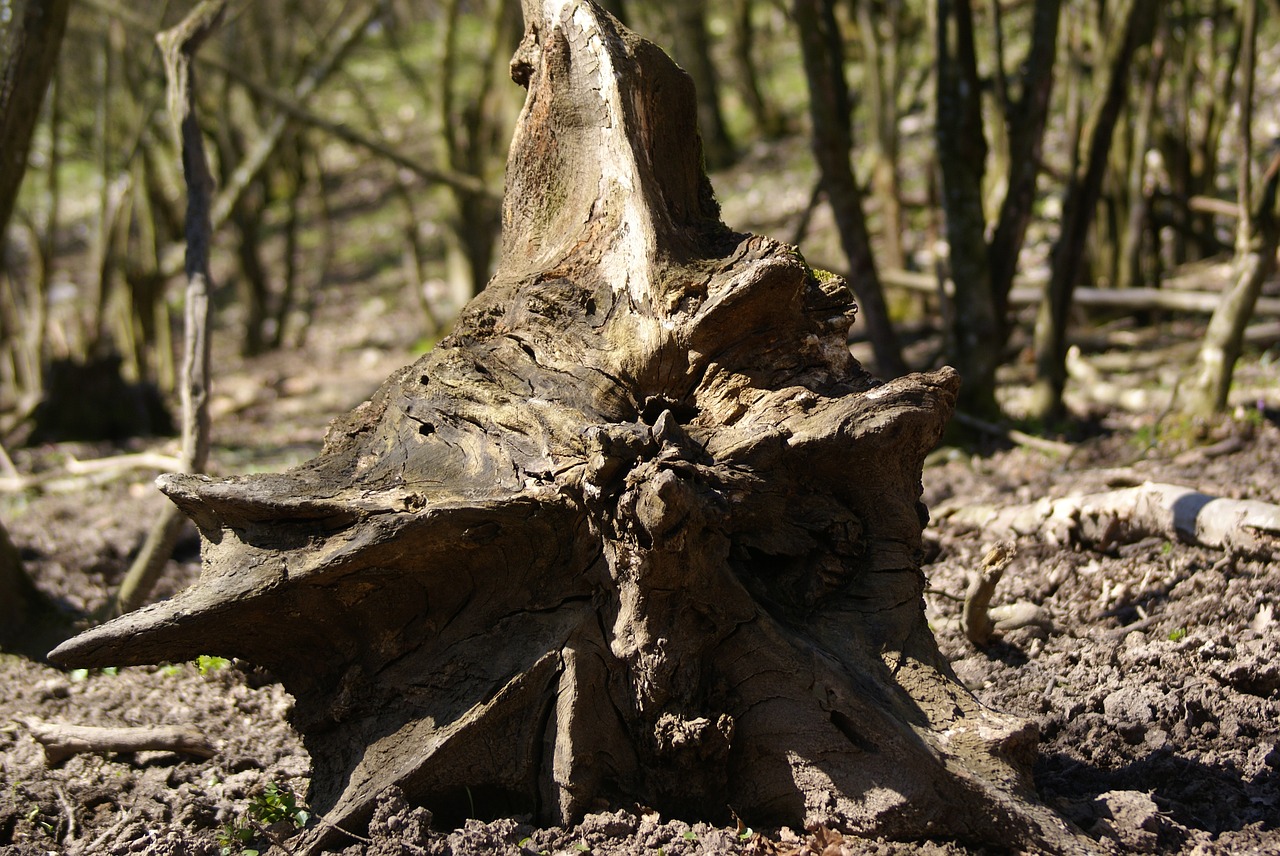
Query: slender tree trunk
(976, 334)
(768, 121)
(1136, 269)
(1027, 122)
(691, 47)
(179, 45)
(471, 139)
(829, 108)
(880, 34)
(1136, 25)
(30, 40)
(1258, 235)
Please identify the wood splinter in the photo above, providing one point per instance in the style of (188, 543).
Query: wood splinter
(61, 741)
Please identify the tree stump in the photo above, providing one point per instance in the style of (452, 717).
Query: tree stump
(640, 530)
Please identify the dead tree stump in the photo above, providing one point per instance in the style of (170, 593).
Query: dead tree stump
(639, 530)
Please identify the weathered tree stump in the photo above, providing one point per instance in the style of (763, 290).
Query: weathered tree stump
(640, 529)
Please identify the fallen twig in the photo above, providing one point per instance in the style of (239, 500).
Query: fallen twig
(93, 846)
(97, 466)
(61, 741)
(1053, 447)
(69, 811)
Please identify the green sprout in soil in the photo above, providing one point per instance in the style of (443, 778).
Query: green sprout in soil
(206, 663)
(276, 804)
(1178, 634)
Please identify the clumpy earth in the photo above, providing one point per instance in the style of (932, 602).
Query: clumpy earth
(1152, 669)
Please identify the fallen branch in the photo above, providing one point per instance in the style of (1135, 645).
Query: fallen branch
(1028, 294)
(60, 741)
(1013, 435)
(978, 619)
(1102, 520)
(94, 467)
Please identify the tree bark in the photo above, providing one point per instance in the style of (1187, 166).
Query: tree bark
(691, 47)
(29, 41)
(1224, 338)
(639, 529)
(29, 45)
(976, 334)
(983, 271)
(1257, 237)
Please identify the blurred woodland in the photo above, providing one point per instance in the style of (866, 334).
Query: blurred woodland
(975, 159)
(996, 179)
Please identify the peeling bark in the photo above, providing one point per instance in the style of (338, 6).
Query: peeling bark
(639, 530)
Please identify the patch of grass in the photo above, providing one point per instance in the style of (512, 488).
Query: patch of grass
(1178, 634)
(78, 675)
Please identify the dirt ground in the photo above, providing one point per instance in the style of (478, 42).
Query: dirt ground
(1152, 671)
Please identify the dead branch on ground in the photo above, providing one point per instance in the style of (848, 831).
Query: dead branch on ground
(61, 741)
(76, 473)
(1103, 520)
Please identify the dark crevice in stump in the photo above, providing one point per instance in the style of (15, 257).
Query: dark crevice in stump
(639, 530)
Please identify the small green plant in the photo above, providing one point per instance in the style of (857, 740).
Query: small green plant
(34, 818)
(1178, 634)
(232, 838)
(207, 663)
(1166, 548)
(690, 835)
(276, 804)
(1253, 417)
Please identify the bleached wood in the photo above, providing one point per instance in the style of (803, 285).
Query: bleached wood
(1131, 514)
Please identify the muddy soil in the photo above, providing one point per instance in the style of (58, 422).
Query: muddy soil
(1153, 671)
